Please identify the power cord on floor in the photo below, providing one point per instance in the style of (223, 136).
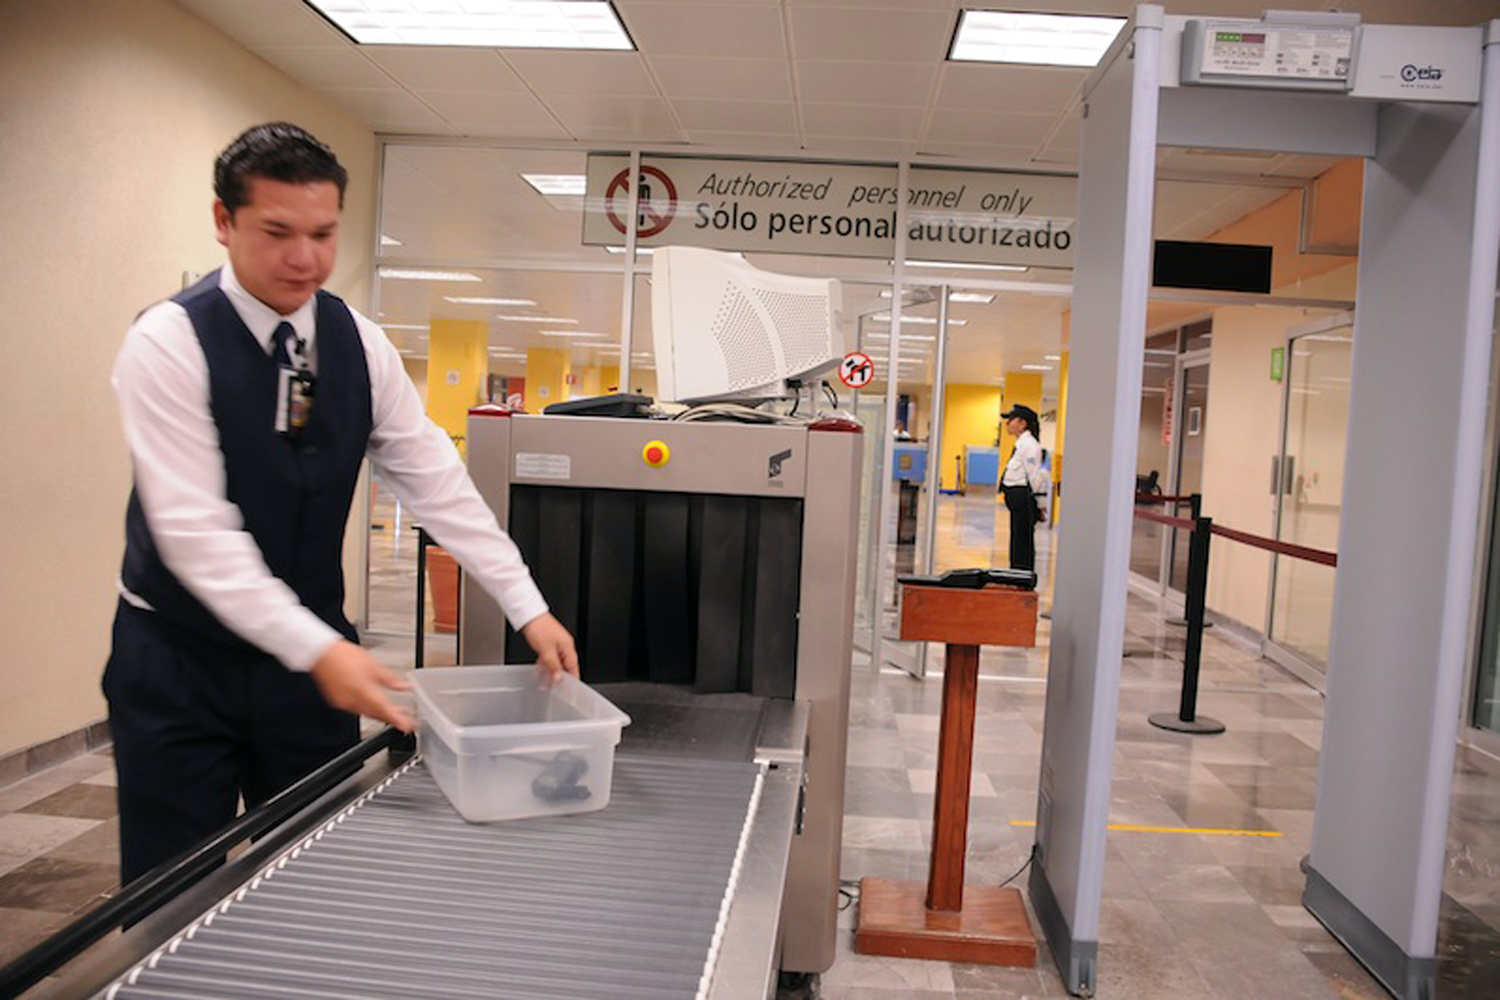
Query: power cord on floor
(848, 892)
(1029, 858)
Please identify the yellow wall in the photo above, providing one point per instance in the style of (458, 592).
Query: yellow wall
(112, 117)
(1024, 388)
(597, 380)
(547, 371)
(457, 365)
(971, 416)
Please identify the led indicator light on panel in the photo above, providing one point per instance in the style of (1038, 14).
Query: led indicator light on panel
(656, 454)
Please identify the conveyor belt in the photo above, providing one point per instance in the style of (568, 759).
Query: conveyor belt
(399, 897)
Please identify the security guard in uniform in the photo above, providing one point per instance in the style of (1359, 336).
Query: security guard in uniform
(249, 402)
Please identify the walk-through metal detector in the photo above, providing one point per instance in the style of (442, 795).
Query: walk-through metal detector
(1422, 106)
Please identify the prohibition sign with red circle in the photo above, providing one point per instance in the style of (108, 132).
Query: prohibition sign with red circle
(653, 220)
(856, 370)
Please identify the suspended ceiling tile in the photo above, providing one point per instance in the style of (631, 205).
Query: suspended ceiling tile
(1460, 13)
(996, 128)
(981, 153)
(1304, 167)
(682, 76)
(758, 142)
(908, 4)
(666, 136)
(593, 112)
(513, 116)
(872, 150)
(1069, 125)
(320, 66)
(551, 72)
(391, 111)
(432, 68)
(1183, 199)
(266, 22)
(736, 116)
(870, 34)
(995, 86)
(861, 120)
(903, 84)
(1225, 163)
(747, 31)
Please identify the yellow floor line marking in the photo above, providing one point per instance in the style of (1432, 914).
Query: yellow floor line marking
(1132, 828)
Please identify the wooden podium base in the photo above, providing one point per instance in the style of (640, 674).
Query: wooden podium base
(991, 929)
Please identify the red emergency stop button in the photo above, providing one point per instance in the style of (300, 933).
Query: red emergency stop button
(656, 454)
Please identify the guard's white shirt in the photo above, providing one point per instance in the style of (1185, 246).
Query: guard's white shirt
(161, 378)
(1025, 465)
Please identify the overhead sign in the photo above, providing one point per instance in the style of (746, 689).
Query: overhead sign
(856, 370)
(834, 209)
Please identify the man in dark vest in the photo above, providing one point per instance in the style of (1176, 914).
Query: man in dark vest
(249, 402)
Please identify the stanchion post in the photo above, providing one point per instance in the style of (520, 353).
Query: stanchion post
(1195, 513)
(1187, 719)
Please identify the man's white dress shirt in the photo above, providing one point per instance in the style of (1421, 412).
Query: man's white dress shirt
(161, 378)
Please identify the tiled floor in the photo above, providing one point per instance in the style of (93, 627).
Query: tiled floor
(1185, 915)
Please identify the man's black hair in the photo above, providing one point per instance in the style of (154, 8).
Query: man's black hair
(278, 151)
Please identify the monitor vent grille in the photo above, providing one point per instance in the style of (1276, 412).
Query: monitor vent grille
(746, 348)
(802, 324)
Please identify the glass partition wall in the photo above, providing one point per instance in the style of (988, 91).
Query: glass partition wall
(1309, 483)
(496, 286)
(486, 290)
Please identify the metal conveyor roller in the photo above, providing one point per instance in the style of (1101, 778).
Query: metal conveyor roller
(397, 896)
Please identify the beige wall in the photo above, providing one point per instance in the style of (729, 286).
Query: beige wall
(1243, 436)
(113, 112)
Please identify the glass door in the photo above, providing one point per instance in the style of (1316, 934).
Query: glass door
(914, 429)
(1307, 479)
(1190, 431)
(868, 406)
(1152, 474)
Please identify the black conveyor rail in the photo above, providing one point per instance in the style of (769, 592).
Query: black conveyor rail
(164, 882)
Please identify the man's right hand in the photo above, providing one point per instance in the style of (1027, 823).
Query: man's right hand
(355, 681)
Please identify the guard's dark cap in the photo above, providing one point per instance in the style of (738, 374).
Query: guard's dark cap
(1026, 413)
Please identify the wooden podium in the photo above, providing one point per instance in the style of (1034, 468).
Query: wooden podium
(905, 918)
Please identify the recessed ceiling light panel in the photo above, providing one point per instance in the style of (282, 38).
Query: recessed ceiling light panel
(558, 185)
(485, 300)
(425, 274)
(1002, 36)
(495, 24)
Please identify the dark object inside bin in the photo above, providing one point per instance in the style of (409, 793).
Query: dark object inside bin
(558, 781)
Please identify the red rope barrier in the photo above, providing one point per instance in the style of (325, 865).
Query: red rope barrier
(1282, 548)
(1171, 522)
(1244, 538)
(1157, 498)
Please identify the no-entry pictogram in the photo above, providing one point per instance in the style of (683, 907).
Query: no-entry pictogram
(657, 205)
(856, 370)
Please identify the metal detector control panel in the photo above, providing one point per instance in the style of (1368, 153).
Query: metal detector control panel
(1313, 56)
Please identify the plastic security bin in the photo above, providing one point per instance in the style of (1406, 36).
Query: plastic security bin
(503, 742)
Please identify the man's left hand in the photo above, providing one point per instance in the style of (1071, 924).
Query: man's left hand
(553, 645)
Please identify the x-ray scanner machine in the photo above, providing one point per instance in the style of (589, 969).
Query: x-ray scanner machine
(1422, 107)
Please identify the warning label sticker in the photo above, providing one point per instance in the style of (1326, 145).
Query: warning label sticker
(541, 465)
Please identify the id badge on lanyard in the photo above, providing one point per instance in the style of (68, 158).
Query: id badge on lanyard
(294, 400)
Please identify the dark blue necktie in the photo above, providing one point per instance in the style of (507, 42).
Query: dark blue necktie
(279, 352)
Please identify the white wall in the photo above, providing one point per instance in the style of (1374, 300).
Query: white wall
(113, 112)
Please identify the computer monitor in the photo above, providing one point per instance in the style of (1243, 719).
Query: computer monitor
(725, 330)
